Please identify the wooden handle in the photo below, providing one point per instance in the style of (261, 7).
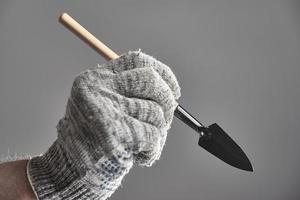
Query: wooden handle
(87, 37)
(108, 54)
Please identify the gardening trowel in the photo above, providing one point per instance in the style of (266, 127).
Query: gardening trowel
(212, 138)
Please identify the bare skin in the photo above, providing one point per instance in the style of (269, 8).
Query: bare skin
(14, 184)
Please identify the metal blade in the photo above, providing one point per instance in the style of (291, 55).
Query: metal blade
(218, 143)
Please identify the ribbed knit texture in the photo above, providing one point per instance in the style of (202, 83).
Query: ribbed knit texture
(117, 114)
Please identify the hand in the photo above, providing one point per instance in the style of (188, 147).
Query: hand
(117, 114)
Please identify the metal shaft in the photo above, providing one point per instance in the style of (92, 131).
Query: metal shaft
(188, 119)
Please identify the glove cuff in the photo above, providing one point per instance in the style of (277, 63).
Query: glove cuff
(52, 176)
(55, 176)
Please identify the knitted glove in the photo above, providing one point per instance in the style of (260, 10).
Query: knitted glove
(117, 114)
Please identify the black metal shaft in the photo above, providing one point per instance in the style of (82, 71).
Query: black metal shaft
(188, 119)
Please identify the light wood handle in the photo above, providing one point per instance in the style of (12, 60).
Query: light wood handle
(87, 37)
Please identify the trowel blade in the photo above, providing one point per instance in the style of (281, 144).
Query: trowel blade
(218, 143)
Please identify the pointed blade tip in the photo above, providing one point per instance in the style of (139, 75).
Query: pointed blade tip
(245, 166)
(248, 166)
(250, 169)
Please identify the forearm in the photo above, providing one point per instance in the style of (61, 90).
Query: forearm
(14, 184)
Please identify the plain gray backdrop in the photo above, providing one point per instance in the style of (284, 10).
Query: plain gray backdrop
(237, 63)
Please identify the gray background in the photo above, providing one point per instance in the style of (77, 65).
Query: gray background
(237, 63)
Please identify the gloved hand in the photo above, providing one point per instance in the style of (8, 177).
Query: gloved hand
(117, 114)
